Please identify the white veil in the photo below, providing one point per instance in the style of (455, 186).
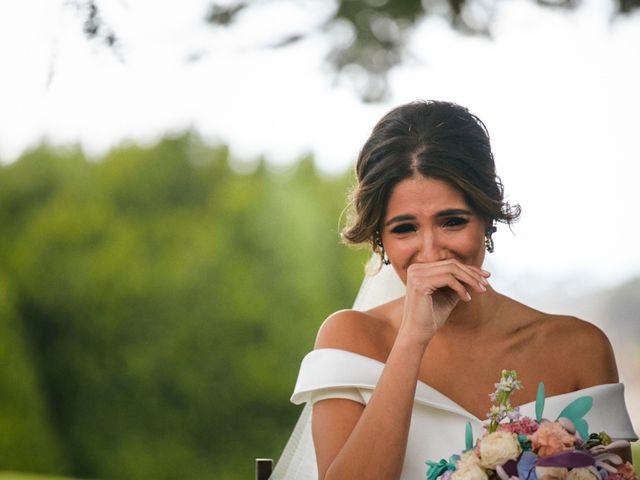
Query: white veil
(298, 460)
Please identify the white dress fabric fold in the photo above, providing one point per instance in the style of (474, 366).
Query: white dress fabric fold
(438, 423)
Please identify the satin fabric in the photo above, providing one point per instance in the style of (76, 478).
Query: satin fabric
(437, 424)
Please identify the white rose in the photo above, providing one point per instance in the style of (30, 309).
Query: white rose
(468, 459)
(551, 473)
(582, 474)
(468, 468)
(472, 472)
(497, 448)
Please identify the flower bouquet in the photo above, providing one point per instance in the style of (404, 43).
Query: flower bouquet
(516, 447)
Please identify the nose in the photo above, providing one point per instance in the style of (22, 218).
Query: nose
(431, 248)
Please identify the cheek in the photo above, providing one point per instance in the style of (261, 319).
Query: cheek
(478, 247)
(394, 245)
(471, 248)
(400, 251)
(472, 244)
(401, 272)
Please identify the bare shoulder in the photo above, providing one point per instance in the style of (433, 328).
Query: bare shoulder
(368, 333)
(342, 328)
(582, 344)
(568, 329)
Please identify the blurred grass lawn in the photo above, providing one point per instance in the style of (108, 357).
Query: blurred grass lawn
(29, 476)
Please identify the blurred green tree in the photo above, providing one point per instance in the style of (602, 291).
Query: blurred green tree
(166, 300)
(368, 37)
(29, 440)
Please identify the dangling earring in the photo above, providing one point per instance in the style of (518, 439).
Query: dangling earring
(488, 239)
(378, 242)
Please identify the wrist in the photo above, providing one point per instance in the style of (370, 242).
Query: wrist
(410, 339)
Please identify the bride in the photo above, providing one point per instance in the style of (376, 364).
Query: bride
(389, 386)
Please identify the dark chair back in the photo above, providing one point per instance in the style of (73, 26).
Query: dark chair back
(264, 467)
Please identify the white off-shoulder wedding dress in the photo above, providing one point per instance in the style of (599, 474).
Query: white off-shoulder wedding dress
(437, 423)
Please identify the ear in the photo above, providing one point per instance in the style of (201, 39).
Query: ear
(489, 226)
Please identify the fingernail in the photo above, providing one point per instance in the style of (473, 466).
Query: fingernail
(482, 287)
(486, 273)
(468, 296)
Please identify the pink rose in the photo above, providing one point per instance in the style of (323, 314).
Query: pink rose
(551, 438)
(524, 426)
(613, 476)
(626, 471)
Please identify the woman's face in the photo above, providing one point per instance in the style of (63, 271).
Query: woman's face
(427, 221)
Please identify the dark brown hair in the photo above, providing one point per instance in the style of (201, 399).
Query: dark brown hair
(435, 139)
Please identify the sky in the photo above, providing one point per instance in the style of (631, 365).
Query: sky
(557, 91)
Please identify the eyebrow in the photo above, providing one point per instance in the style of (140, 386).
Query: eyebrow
(443, 213)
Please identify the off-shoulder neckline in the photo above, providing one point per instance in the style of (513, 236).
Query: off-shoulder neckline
(425, 386)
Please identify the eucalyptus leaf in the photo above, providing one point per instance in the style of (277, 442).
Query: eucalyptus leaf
(468, 437)
(540, 402)
(578, 408)
(581, 427)
(575, 411)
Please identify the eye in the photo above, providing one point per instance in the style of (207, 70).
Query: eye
(404, 228)
(455, 222)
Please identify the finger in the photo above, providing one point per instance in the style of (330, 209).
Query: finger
(472, 270)
(459, 288)
(446, 281)
(482, 274)
(449, 263)
(478, 273)
(481, 271)
(470, 277)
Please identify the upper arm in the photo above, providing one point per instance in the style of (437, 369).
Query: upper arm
(599, 365)
(332, 422)
(594, 354)
(335, 418)
(603, 369)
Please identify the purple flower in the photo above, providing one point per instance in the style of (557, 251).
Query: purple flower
(446, 475)
(514, 414)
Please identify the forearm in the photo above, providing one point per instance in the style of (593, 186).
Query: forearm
(376, 447)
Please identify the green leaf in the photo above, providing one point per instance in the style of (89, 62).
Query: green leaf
(438, 468)
(540, 401)
(575, 411)
(582, 427)
(578, 408)
(468, 437)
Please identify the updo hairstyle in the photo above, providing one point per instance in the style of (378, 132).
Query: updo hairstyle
(435, 139)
